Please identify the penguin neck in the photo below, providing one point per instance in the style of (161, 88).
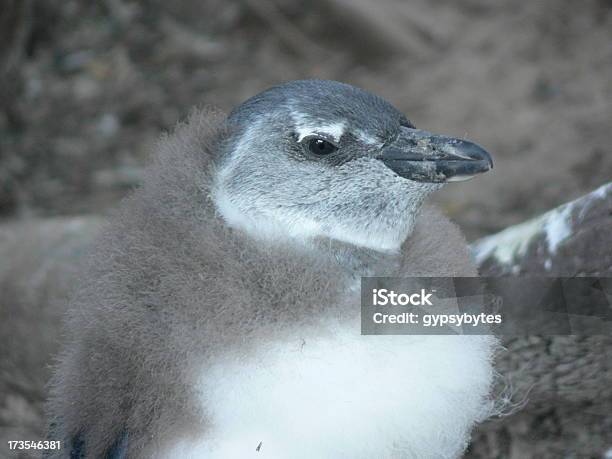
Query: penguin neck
(271, 225)
(357, 259)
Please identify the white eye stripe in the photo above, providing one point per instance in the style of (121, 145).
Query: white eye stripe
(307, 127)
(333, 131)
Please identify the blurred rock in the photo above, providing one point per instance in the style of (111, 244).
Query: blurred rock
(564, 382)
(572, 240)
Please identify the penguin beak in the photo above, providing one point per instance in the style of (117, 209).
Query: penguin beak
(426, 157)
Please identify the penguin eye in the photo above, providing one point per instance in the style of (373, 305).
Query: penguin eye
(320, 147)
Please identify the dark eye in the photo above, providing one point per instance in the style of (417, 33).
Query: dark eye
(321, 147)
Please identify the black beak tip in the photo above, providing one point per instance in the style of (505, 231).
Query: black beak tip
(487, 158)
(475, 152)
(483, 161)
(466, 160)
(437, 158)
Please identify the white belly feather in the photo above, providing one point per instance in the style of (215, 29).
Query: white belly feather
(349, 396)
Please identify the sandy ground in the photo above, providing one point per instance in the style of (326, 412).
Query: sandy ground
(87, 87)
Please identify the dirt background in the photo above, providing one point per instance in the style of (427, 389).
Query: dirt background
(87, 87)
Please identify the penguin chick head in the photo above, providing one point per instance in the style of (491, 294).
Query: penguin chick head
(316, 158)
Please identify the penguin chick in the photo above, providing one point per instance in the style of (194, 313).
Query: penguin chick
(218, 316)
